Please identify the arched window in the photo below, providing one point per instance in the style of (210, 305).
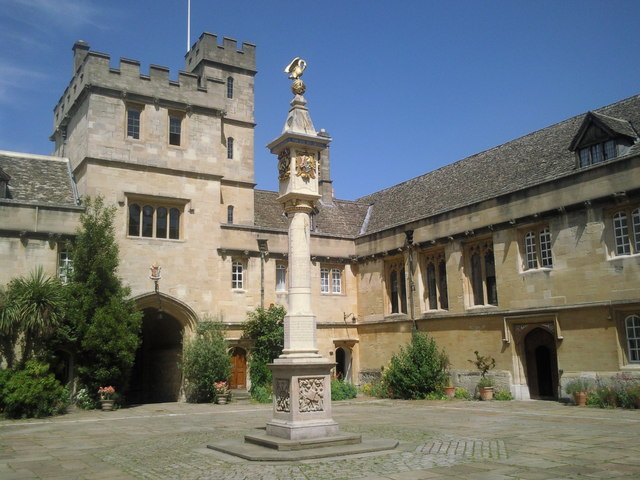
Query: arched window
(161, 222)
(632, 327)
(230, 147)
(229, 87)
(134, 220)
(174, 224)
(483, 274)
(230, 214)
(397, 289)
(147, 221)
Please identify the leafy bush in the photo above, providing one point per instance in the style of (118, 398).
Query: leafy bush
(502, 395)
(377, 388)
(205, 362)
(84, 401)
(5, 376)
(341, 390)
(579, 385)
(462, 393)
(34, 392)
(417, 370)
(266, 329)
(261, 394)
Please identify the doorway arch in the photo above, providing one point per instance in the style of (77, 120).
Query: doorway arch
(343, 364)
(541, 364)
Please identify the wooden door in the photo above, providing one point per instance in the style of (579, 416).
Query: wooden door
(239, 369)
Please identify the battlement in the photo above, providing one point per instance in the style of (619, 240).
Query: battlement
(92, 71)
(206, 48)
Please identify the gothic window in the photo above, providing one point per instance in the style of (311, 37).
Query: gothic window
(482, 276)
(175, 129)
(154, 221)
(397, 289)
(237, 274)
(65, 265)
(537, 249)
(281, 277)
(229, 87)
(230, 148)
(133, 122)
(435, 271)
(230, 214)
(632, 329)
(626, 231)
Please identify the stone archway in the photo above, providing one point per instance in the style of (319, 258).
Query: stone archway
(156, 375)
(343, 363)
(541, 364)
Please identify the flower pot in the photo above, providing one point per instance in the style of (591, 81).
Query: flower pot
(486, 393)
(450, 391)
(221, 399)
(107, 405)
(580, 398)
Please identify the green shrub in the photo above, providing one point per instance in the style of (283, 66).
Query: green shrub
(261, 393)
(205, 361)
(85, 401)
(436, 395)
(341, 390)
(417, 370)
(502, 395)
(34, 392)
(462, 393)
(579, 385)
(5, 376)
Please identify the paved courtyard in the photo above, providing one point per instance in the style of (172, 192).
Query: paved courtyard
(438, 439)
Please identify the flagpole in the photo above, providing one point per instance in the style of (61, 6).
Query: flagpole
(188, 25)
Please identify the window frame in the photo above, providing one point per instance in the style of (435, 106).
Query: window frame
(597, 152)
(130, 107)
(481, 275)
(238, 274)
(625, 231)
(175, 115)
(230, 144)
(64, 264)
(536, 248)
(397, 287)
(281, 277)
(436, 289)
(230, 87)
(331, 279)
(632, 342)
(149, 210)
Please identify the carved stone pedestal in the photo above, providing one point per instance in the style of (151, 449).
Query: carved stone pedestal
(302, 400)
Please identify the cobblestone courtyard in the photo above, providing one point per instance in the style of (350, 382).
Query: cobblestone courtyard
(438, 439)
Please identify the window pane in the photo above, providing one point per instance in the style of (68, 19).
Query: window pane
(584, 157)
(609, 149)
(133, 123)
(230, 147)
(147, 221)
(442, 279)
(431, 286)
(336, 280)
(545, 248)
(324, 280)
(621, 233)
(490, 269)
(597, 154)
(393, 280)
(403, 291)
(281, 278)
(175, 129)
(174, 224)
(476, 279)
(530, 251)
(230, 87)
(134, 220)
(632, 324)
(237, 275)
(161, 222)
(230, 214)
(635, 215)
(65, 266)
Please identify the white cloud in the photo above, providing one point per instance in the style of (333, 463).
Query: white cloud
(43, 14)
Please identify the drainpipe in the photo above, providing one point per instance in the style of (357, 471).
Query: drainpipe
(264, 252)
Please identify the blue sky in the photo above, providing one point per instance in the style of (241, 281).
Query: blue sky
(403, 87)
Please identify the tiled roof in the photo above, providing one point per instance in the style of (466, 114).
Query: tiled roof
(38, 179)
(343, 218)
(535, 158)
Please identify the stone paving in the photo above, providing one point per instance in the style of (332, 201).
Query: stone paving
(438, 440)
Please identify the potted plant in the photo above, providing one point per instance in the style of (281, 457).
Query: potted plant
(580, 389)
(486, 384)
(106, 395)
(449, 389)
(221, 392)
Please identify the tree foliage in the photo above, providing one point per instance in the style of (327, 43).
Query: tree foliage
(266, 329)
(31, 310)
(417, 369)
(206, 361)
(105, 320)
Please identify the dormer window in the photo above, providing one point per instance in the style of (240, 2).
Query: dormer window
(4, 184)
(601, 138)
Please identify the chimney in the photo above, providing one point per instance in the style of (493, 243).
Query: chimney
(324, 182)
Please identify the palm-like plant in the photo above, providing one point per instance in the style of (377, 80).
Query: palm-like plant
(33, 309)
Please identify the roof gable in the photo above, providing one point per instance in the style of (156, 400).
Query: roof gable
(597, 127)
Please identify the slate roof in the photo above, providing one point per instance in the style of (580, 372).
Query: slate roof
(535, 158)
(343, 218)
(38, 179)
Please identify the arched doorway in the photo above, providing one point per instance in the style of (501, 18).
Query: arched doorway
(156, 375)
(343, 364)
(542, 364)
(238, 368)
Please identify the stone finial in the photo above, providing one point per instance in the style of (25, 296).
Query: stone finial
(295, 69)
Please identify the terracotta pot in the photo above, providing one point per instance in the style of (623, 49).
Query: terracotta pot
(580, 398)
(221, 399)
(450, 392)
(486, 393)
(107, 405)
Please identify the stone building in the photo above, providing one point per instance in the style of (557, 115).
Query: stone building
(528, 252)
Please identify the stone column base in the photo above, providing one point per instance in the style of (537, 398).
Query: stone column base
(302, 400)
